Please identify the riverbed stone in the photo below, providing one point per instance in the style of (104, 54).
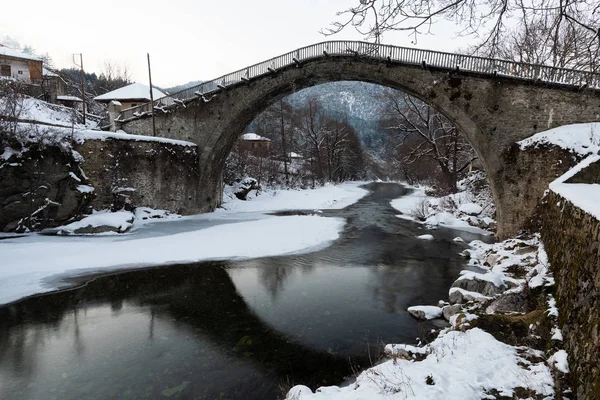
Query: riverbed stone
(511, 303)
(461, 296)
(484, 287)
(451, 310)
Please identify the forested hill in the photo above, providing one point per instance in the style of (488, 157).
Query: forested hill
(360, 103)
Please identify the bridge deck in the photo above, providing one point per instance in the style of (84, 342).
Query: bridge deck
(396, 54)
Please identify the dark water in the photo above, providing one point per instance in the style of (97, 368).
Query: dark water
(233, 330)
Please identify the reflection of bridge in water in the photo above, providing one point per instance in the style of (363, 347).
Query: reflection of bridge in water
(201, 299)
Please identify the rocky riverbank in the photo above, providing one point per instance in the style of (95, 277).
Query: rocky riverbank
(502, 340)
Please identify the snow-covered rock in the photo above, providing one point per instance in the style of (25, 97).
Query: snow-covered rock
(450, 310)
(559, 361)
(423, 313)
(425, 237)
(488, 284)
(470, 209)
(461, 296)
(99, 223)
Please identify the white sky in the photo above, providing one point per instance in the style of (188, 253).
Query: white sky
(187, 40)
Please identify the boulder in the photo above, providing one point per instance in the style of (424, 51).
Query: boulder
(511, 303)
(488, 284)
(423, 313)
(449, 311)
(461, 296)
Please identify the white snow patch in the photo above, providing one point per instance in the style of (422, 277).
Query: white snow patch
(470, 208)
(121, 220)
(122, 135)
(85, 188)
(559, 361)
(425, 237)
(326, 197)
(557, 334)
(496, 278)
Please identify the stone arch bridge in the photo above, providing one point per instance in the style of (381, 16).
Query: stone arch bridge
(494, 103)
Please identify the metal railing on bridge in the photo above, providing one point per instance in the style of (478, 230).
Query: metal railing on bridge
(403, 55)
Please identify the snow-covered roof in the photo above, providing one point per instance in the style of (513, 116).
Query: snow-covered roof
(135, 91)
(47, 72)
(68, 98)
(254, 136)
(8, 52)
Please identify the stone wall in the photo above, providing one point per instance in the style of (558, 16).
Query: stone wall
(38, 189)
(41, 187)
(572, 237)
(147, 173)
(526, 175)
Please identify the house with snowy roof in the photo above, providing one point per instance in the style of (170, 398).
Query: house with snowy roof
(20, 66)
(254, 144)
(130, 96)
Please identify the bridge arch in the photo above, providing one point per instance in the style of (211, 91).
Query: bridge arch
(492, 110)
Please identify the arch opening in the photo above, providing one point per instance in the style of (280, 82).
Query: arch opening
(355, 130)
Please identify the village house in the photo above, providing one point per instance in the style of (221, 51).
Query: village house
(254, 144)
(130, 96)
(20, 66)
(37, 81)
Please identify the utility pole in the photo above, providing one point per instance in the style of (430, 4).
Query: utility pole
(151, 97)
(82, 82)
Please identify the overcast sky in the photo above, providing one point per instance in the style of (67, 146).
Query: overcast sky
(187, 40)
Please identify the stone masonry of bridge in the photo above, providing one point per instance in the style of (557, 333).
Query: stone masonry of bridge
(493, 112)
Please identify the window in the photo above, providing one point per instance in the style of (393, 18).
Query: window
(20, 72)
(4, 70)
(133, 104)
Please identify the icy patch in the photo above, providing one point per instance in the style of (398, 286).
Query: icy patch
(32, 263)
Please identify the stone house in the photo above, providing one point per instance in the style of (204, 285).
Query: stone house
(255, 145)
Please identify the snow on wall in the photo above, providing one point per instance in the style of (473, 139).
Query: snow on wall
(582, 139)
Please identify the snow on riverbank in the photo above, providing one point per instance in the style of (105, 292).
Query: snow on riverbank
(458, 365)
(326, 197)
(456, 211)
(28, 266)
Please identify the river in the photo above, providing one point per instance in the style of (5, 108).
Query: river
(241, 329)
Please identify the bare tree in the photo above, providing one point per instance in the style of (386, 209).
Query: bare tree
(426, 141)
(565, 46)
(488, 21)
(11, 107)
(112, 77)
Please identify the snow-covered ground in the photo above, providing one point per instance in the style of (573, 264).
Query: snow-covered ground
(34, 264)
(456, 211)
(54, 114)
(327, 197)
